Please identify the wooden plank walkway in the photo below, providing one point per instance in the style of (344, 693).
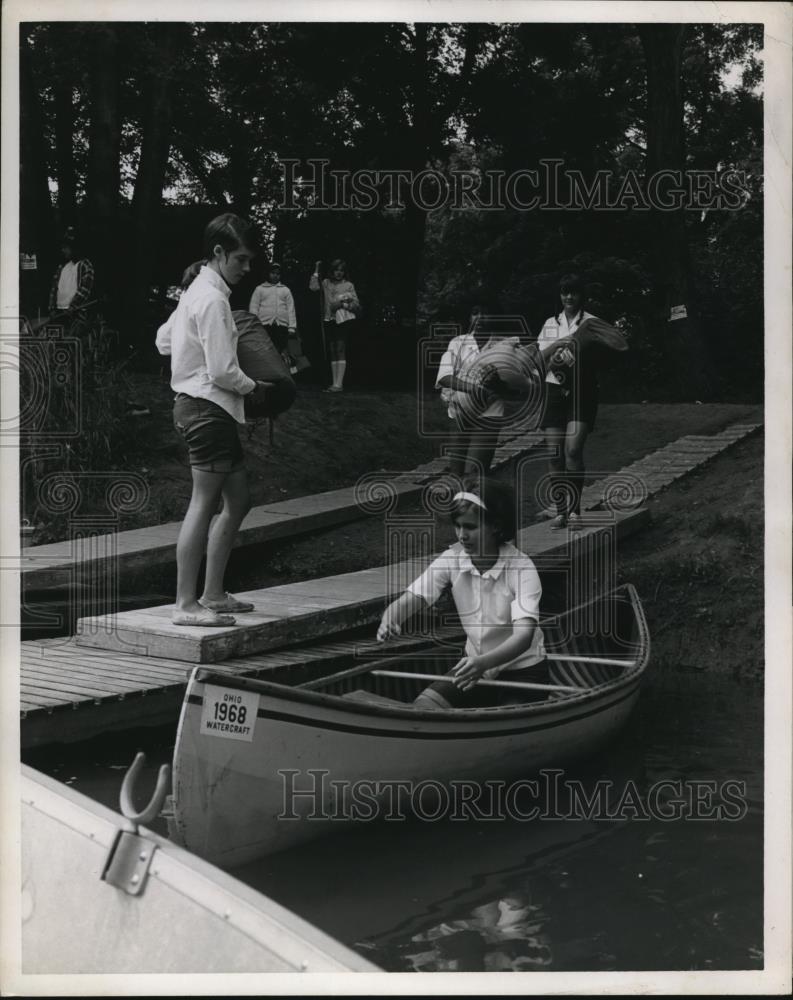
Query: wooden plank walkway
(70, 691)
(659, 469)
(47, 567)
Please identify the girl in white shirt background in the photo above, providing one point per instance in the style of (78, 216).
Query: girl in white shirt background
(201, 338)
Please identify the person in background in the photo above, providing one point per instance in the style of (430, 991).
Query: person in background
(273, 305)
(477, 403)
(73, 281)
(201, 338)
(462, 350)
(341, 309)
(571, 402)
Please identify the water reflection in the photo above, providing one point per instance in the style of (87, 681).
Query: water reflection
(504, 935)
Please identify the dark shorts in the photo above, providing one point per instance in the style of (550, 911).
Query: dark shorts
(579, 405)
(340, 331)
(209, 432)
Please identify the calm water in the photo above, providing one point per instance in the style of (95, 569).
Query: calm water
(560, 895)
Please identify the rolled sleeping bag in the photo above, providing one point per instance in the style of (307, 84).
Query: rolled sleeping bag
(259, 358)
(593, 332)
(513, 362)
(520, 377)
(597, 331)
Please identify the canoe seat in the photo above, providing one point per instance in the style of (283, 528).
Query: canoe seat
(378, 699)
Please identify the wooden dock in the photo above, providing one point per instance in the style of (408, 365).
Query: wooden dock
(312, 609)
(71, 693)
(74, 688)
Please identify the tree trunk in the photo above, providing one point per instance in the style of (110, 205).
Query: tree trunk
(103, 175)
(678, 323)
(37, 233)
(64, 152)
(418, 146)
(241, 179)
(155, 147)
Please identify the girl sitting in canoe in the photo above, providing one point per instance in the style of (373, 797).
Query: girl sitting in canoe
(496, 590)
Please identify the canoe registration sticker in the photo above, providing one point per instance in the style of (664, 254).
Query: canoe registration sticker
(229, 714)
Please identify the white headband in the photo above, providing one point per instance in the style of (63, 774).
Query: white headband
(471, 498)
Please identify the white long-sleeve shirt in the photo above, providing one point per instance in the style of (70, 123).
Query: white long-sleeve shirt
(274, 304)
(201, 338)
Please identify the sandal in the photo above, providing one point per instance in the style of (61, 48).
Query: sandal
(333, 388)
(206, 619)
(229, 605)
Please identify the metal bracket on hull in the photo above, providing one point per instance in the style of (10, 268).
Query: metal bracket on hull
(127, 865)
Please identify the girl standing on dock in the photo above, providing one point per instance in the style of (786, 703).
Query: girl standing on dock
(201, 338)
(496, 590)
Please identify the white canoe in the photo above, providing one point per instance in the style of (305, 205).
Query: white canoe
(260, 767)
(184, 915)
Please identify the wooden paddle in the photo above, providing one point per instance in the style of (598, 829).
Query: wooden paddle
(600, 661)
(322, 313)
(521, 685)
(371, 668)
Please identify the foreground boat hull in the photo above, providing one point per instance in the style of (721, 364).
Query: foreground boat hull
(285, 765)
(188, 917)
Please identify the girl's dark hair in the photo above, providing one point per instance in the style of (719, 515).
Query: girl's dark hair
(572, 283)
(231, 232)
(500, 511)
(338, 262)
(485, 323)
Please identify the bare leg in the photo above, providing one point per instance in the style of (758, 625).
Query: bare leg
(341, 364)
(458, 450)
(554, 440)
(236, 504)
(574, 442)
(480, 453)
(207, 489)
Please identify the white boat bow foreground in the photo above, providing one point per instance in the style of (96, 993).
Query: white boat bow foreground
(92, 905)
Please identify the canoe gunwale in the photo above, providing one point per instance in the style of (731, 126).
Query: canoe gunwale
(301, 696)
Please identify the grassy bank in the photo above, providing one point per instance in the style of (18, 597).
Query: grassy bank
(699, 567)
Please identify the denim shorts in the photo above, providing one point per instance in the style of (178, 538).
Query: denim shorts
(209, 432)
